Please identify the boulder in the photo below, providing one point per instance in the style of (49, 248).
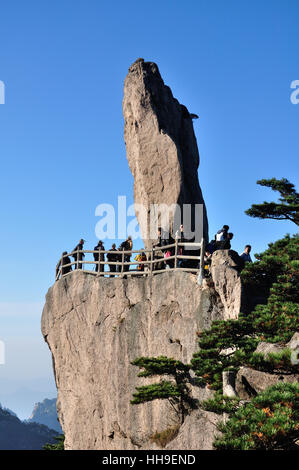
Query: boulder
(250, 382)
(197, 432)
(226, 277)
(293, 344)
(275, 348)
(269, 348)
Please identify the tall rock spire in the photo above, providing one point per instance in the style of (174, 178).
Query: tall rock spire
(161, 145)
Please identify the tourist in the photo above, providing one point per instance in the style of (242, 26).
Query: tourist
(169, 263)
(65, 260)
(78, 255)
(221, 235)
(210, 248)
(226, 243)
(113, 258)
(99, 256)
(140, 257)
(127, 245)
(181, 249)
(159, 253)
(246, 254)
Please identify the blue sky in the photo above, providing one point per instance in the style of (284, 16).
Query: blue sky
(61, 129)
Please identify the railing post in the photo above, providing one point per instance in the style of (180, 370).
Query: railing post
(151, 258)
(176, 254)
(59, 268)
(201, 262)
(59, 274)
(122, 263)
(61, 265)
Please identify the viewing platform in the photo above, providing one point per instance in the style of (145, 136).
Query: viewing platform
(156, 261)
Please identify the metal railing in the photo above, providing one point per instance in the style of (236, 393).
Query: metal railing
(155, 261)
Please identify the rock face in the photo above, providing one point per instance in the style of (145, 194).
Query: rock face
(226, 278)
(161, 147)
(95, 327)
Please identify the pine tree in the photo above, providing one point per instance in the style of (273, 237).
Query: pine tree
(59, 445)
(269, 422)
(277, 273)
(176, 389)
(286, 209)
(229, 344)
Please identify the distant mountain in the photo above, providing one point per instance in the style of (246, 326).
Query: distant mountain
(15, 434)
(9, 411)
(45, 413)
(21, 399)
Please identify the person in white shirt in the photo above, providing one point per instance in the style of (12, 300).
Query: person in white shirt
(221, 235)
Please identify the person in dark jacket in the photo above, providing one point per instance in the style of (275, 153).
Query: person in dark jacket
(127, 245)
(225, 244)
(62, 263)
(181, 249)
(113, 257)
(98, 256)
(246, 254)
(210, 248)
(78, 255)
(158, 254)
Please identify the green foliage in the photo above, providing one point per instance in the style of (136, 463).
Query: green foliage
(221, 404)
(275, 275)
(225, 346)
(229, 344)
(162, 390)
(270, 421)
(57, 446)
(276, 322)
(276, 261)
(286, 209)
(279, 362)
(177, 390)
(160, 365)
